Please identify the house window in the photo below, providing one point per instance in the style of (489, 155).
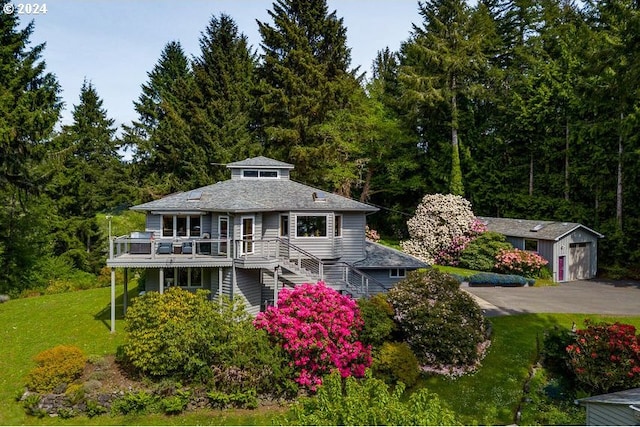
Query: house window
(311, 226)
(397, 273)
(338, 226)
(181, 226)
(531, 245)
(252, 173)
(183, 277)
(284, 225)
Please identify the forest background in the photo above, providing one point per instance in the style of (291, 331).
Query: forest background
(529, 109)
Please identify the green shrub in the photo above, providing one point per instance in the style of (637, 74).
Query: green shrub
(186, 336)
(56, 366)
(140, 402)
(494, 279)
(480, 254)
(442, 324)
(94, 408)
(395, 362)
(554, 356)
(30, 405)
(172, 405)
(379, 325)
(220, 400)
(367, 401)
(169, 334)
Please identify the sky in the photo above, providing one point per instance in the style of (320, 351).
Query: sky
(114, 43)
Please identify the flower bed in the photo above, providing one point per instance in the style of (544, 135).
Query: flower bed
(493, 279)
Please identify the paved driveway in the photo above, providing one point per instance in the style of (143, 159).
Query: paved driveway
(584, 296)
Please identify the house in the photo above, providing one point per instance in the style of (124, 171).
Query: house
(621, 408)
(253, 234)
(570, 248)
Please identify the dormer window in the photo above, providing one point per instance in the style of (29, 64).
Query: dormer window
(255, 173)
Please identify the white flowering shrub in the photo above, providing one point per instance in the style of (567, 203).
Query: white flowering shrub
(439, 220)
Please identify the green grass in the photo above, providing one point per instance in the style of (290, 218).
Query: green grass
(28, 326)
(491, 395)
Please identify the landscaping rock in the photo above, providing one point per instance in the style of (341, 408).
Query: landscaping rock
(4, 298)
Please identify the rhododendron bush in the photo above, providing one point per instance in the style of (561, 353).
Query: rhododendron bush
(319, 329)
(441, 228)
(515, 261)
(606, 357)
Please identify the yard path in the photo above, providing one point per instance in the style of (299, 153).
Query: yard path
(583, 296)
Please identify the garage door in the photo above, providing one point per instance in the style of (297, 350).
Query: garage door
(579, 261)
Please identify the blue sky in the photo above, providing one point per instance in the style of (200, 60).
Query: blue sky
(115, 43)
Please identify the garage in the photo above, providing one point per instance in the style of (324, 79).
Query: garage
(580, 261)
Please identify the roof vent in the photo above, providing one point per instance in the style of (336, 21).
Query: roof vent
(319, 196)
(194, 195)
(537, 228)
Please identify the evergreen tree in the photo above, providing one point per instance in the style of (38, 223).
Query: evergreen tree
(222, 104)
(306, 94)
(29, 108)
(165, 157)
(89, 180)
(441, 65)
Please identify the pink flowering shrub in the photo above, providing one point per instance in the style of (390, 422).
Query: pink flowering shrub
(451, 254)
(318, 327)
(371, 234)
(516, 261)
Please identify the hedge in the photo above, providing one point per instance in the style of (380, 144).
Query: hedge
(493, 279)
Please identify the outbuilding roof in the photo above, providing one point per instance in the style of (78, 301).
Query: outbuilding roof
(534, 229)
(379, 256)
(625, 397)
(238, 196)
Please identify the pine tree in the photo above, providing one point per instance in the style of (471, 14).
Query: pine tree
(29, 108)
(306, 94)
(222, 103)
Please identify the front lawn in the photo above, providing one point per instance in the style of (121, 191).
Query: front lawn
(28, 326)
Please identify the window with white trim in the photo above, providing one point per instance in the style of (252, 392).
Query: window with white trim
(284, 226)
(311, 226)
(255, 173)
(190, 277)
(337, 226)
(397, 273)
(531, 245)
(181, 225)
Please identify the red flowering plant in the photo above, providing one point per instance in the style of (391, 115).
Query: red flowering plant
(516, 261)
(605, 357)
(318, 327)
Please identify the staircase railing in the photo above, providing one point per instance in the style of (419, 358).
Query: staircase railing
(356, 282)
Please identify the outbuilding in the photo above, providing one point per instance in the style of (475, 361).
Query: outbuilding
(570, 248)
(621, 408)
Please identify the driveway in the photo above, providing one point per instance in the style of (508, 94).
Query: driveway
(583, 296)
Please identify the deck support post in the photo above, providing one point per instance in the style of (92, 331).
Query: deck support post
(125, 296)
(113, 300)
(275, 287)
(161, 284)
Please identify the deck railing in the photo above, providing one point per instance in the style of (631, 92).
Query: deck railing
(150, 247)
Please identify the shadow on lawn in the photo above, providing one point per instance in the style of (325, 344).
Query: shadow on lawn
(104, 315)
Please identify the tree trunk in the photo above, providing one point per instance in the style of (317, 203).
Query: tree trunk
(619, 184)
(364, 196)
(531, 174)
(566, 160)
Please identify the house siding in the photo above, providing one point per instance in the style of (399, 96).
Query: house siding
(601, 414)
(271, 225)
(248, 287)
(382, 276)
(353, 237)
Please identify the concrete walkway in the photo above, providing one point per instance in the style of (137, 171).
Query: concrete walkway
(584, 296)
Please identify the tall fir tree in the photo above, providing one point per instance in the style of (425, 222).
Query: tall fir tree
(306, 94)
(441, 65)
(89, 179)
(222, 103)
(29, 108)
(165, 158)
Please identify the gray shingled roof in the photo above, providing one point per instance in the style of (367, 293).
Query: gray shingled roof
(379, 256)
(254, 195)
(258, 162)
(546, 230)
(625, 397)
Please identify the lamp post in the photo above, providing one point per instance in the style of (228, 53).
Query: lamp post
(109, 217)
